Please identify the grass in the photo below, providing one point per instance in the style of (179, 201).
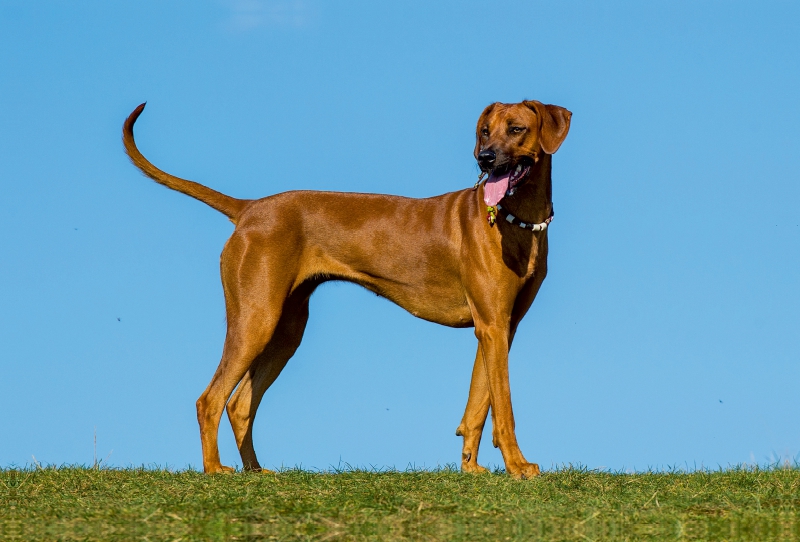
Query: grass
(71, 503)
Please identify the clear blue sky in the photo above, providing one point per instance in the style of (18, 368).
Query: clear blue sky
(665, 334)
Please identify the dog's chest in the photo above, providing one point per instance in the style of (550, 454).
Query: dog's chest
(525, 255)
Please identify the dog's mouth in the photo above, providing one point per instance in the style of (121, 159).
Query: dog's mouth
(503, 181)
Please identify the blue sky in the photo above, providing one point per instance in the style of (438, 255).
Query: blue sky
(666, 333)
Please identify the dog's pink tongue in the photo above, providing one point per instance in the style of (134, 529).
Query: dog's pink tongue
(495, 188)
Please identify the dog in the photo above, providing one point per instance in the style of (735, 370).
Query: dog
(461, 259)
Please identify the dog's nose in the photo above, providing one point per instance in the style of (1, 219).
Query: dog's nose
(486, 158)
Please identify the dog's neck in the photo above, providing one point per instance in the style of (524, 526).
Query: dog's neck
(532, 201)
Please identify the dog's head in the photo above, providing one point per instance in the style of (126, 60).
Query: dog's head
(511, 139)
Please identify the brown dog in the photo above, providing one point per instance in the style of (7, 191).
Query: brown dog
(439, 258)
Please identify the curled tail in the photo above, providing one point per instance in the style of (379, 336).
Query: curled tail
(230, 207)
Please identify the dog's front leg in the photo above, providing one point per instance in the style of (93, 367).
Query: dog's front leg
(494, 344)
(471, 427)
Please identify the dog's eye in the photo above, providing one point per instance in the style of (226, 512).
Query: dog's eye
(485, 132)
(516, 129)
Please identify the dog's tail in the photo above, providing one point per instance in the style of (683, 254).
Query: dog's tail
(230, 207)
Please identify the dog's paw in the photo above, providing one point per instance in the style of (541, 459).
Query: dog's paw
(525, 471)
(220, 469)
(472, 468)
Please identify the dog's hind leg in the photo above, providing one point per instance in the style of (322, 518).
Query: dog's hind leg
(265, 369)
(237, 357)
(256, 288)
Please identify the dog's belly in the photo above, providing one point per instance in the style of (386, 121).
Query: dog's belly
(428, 293)
(435, 304)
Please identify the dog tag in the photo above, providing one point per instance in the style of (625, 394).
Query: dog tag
(491, 215)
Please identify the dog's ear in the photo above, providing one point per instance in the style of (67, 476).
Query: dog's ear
(481, 122)
(555, 124)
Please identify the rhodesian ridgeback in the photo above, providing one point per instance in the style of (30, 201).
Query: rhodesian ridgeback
(475, 257)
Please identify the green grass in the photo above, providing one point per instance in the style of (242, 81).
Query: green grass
(570, 504)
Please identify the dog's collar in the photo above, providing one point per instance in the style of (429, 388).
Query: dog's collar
(511, 219)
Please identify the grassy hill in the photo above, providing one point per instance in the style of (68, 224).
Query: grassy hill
(71, 503)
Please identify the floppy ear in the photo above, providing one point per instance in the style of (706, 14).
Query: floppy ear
(481, 122)
(555, 124)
